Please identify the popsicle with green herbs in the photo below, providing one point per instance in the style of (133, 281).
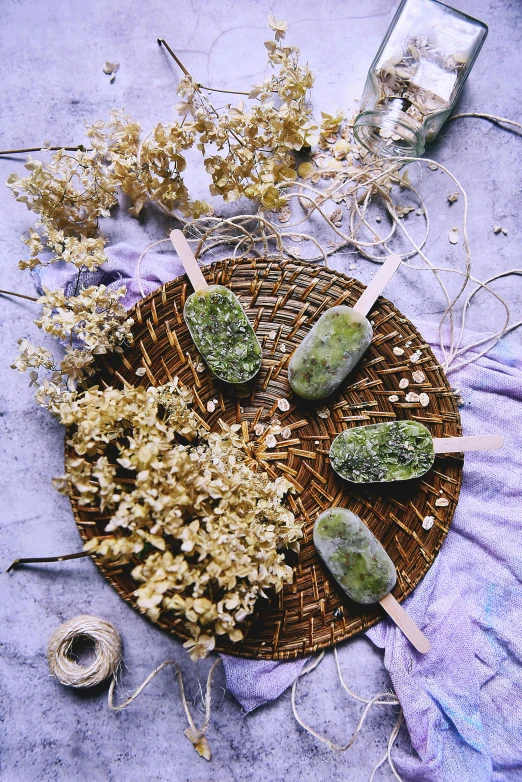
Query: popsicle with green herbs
(361, 567)
(337, 341)
(396, 451)
(218, 323)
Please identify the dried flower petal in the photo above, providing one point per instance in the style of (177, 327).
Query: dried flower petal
(283, 405)
(404, 383)
(428, 522)
(398, 351)
(441, 502)
(424, 400)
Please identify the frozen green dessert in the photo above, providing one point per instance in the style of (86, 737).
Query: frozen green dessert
(395, 451)
(329, 352)
(354, 556)
(223, 334)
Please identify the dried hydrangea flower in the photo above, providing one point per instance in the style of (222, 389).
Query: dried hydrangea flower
(227, 523)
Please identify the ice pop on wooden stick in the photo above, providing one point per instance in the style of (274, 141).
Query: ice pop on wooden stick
(337, 341)
(362, 568)
(396, 451)
(218, 323)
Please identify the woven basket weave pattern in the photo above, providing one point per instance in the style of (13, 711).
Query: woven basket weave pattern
(287, 299)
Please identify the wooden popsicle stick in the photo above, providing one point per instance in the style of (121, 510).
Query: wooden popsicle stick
(405, 623)
(188, 260)
(480, 442)
(377, 285)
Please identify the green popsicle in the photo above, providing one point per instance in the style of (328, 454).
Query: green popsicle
(395, 451)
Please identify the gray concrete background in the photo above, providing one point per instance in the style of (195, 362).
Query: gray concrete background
(52, 55)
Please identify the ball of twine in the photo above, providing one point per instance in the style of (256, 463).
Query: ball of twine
(107, 648)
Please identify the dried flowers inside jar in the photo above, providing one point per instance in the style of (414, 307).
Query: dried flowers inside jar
(416, 77)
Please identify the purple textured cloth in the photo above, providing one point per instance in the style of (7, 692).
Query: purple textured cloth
(460, 701)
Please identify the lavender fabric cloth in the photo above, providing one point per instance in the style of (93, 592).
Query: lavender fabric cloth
(460, 701)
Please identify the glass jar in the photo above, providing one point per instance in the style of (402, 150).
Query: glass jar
(416, 77)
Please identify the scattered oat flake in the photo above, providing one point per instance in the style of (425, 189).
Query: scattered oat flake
(323, 412)
(393, 398)
(498, 229)
(296, 238)
(415, 356)
(211, 406)
(352, 266)
(286, 433)
(113, 78)
(424, 400)
(200, 367)
(452, 197)
(398, 351)
(453, 235)
(433, 166)
(441, 502)
(259, 429)
(282, 347)
(408, 343)
(404, 383)
(427, 522)
(110, 67)
(284, 214)
(272, 335)
(412, 397)
(141, 371)
(378, 219)
(419, 212)
(283, 405)
(418, 376)
(270, 441)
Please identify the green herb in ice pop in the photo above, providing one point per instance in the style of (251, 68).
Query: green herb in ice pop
(354, 556)
(395, 451)
(329, 352)
(223, 334)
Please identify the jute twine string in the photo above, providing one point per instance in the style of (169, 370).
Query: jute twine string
(107, 648)
(381, 699)
(107, 661)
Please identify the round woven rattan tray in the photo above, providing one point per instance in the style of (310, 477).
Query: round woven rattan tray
(283, 301)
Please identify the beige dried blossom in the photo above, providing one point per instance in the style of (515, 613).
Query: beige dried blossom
(206, 529)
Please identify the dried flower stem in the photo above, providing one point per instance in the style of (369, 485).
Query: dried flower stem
(19, 295)
(42, 149)
(162, 42)
(34, 560)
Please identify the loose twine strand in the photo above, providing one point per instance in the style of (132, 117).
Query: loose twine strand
(381, 699)
(107, 662)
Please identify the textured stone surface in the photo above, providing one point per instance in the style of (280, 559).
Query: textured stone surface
(51, 63)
